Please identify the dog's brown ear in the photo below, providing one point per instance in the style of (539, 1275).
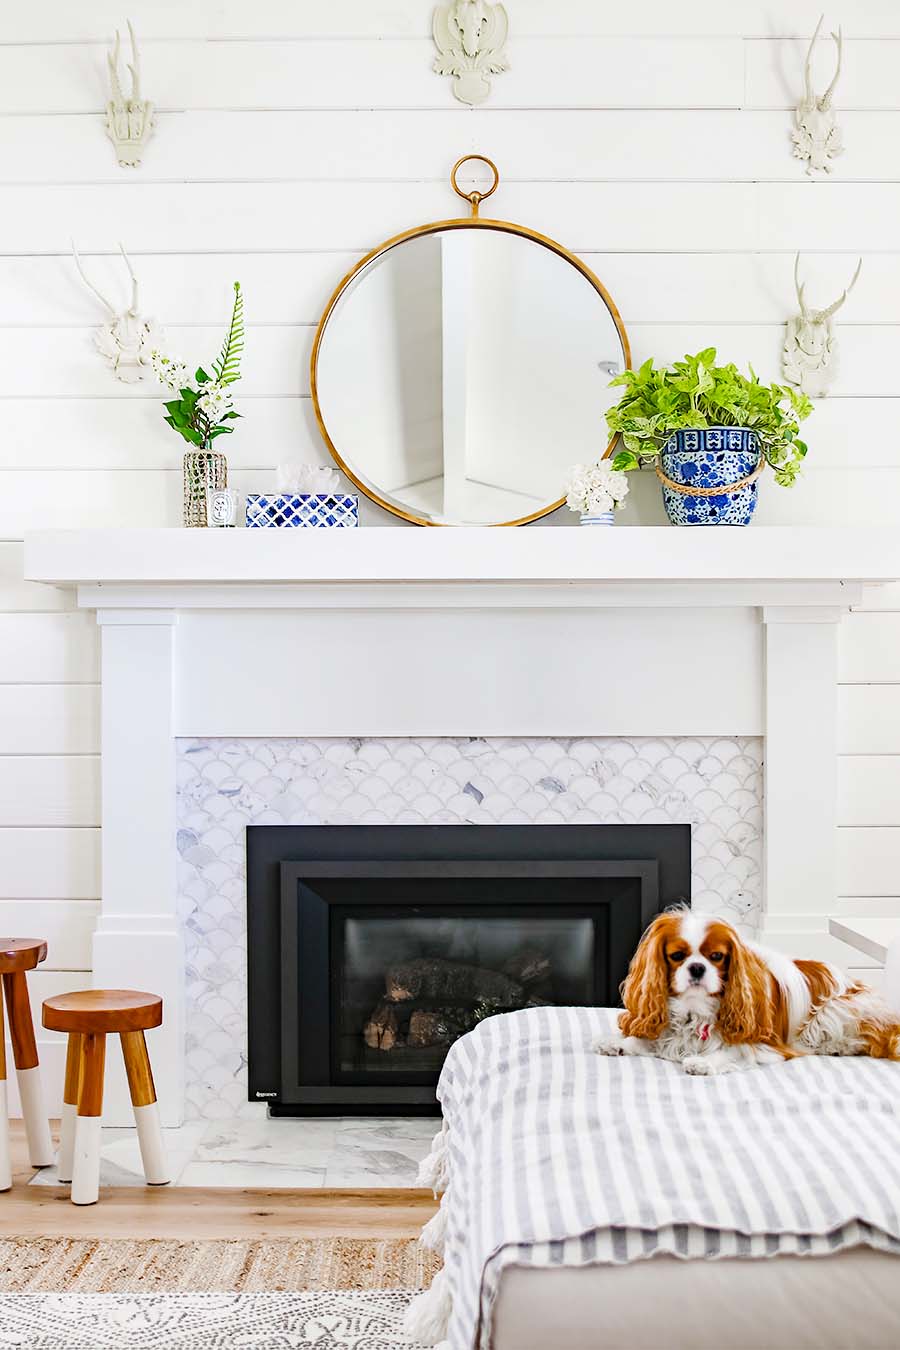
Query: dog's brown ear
(747, 1011)
(645, 991)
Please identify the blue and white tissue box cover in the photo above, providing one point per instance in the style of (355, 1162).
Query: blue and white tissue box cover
(322, 510)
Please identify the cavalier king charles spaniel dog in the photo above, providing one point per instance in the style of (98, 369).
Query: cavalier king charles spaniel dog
(698, 994)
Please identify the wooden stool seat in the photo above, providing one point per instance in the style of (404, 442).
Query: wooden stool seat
(18, 955)
(89, 1016)
(21, 954)
(102, 1011)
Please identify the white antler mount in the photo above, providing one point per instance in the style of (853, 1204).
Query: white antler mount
(470, 36)
(128, 339)
(809, 358)
(816, 135)
(129, 121)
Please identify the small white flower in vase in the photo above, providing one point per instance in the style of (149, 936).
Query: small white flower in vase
(596, 491)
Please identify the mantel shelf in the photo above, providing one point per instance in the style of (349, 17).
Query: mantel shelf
(594, 557)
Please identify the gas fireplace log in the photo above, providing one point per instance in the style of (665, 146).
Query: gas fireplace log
(429, 977)
(382, 1031)
(428, 1027)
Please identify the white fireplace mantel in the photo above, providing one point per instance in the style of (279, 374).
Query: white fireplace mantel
(466, 632)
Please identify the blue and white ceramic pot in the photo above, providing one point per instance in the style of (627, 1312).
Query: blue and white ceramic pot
(599, 518)
(709, 476)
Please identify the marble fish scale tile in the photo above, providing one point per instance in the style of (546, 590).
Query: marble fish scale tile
(714, 784)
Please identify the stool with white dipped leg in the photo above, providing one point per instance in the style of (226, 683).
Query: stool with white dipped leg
(69, 1114)
(88, 1017)
(18, 955)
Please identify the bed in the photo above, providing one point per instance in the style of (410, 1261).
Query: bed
(593, 1202)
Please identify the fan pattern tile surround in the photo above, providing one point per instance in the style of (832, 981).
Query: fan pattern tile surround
(715, 784)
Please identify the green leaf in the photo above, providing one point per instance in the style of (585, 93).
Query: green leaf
(625, 461)
(227, 366)
(201, 376)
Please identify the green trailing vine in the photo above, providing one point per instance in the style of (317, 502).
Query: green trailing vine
(695, 393)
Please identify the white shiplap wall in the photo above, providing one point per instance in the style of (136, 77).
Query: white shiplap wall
(291, 136)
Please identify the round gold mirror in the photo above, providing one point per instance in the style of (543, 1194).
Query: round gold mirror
(462, 367)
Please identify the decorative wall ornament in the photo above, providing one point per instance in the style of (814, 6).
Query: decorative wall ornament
(470, 36)
(817, 137)
(809, 359)
(129, 120)
(128, 340)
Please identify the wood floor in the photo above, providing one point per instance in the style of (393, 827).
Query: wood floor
(185, 1212)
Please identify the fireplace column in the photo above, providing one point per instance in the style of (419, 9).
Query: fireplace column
(138, 942)
(801, 684)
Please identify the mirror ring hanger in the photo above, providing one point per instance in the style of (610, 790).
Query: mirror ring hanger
(475, 198)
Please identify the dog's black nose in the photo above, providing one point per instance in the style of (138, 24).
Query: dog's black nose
(696, 970)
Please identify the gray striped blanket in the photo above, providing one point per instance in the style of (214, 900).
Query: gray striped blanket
(551, 1154)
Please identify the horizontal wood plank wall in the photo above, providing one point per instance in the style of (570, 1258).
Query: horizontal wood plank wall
(655, 141)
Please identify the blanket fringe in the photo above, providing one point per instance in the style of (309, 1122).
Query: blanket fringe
(434, 1171)
(427, 1319)
(433, 1234)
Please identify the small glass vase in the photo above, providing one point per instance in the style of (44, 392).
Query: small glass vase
(203, 471)
(598, 518)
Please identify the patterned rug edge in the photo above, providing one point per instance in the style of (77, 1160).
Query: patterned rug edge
(333, 1320)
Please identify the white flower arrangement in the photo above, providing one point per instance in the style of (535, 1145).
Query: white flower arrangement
(204, 403)
(594, 489)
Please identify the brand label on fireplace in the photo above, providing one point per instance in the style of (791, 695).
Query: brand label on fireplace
(266, 1094)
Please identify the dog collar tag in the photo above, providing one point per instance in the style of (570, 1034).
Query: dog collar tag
(703, 1031)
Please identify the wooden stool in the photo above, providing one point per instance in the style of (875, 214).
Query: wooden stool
(16, 956)
(87, 1017)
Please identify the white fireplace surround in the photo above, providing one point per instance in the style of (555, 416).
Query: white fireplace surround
(386, 633)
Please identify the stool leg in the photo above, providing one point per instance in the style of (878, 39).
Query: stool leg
(86, 1157)
(146, 1111)
(5, 1166)
(69, 1107)
(21, 1031)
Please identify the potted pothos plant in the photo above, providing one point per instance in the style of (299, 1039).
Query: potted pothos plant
(203, 411)
(711, 431)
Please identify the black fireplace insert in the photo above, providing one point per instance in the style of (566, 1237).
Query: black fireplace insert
(371, 949)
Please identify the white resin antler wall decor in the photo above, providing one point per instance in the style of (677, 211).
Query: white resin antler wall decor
(816, 135)
(129, 121)
(470, 36)
(809, 359)
(128, 339)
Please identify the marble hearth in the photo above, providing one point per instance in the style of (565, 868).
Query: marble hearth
(715, 785)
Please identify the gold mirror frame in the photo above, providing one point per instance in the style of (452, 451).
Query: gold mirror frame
(474, 221)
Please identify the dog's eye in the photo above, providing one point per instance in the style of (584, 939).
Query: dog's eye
(717, 957)
(677, 956)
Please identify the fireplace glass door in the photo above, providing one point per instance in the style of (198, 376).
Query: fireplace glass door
(409, 985)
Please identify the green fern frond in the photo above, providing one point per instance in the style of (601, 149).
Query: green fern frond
(227, 367)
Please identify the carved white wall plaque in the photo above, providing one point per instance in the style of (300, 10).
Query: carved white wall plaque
(127, 340)
(470, 36)
(809, 358)
(129, 121)
(816, 135)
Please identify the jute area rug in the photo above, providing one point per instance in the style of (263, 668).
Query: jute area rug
(85, 1294)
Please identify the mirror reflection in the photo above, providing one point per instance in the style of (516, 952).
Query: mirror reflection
(461, 373)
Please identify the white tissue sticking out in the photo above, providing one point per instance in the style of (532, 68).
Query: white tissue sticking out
(295, 478)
